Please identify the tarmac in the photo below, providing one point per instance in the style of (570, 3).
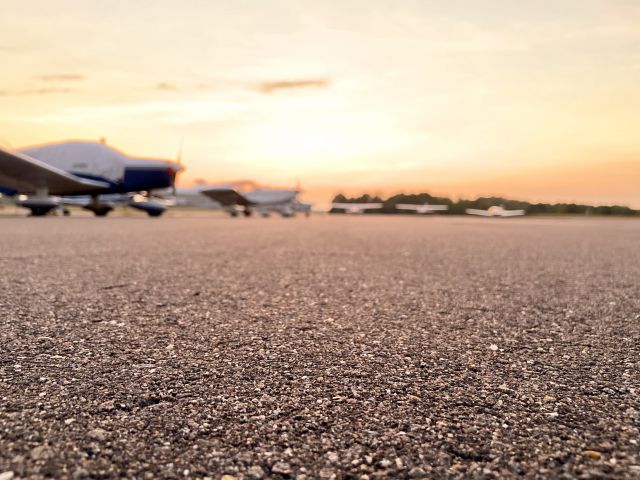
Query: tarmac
(346, 347)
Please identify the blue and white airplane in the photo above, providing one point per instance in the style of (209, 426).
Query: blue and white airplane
(91, 174)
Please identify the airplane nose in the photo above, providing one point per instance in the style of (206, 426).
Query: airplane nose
(173, 170)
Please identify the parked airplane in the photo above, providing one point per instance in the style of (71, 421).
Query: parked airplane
(495, 211)
(85, 173)
(356, 208)
(244, 197)
(426, 208)
(193, 197)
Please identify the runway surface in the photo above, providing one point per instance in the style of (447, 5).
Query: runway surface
(329, 347)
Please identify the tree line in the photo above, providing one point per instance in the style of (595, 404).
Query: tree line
(458, 207)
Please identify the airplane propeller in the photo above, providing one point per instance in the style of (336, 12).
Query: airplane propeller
(180, 167)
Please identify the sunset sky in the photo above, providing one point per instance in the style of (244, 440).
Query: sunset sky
(535, 100)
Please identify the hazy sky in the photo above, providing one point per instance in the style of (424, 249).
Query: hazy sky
(536, 100)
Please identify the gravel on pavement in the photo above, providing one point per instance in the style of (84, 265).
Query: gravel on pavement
(330, 347)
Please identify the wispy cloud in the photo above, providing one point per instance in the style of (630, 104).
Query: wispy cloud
(35, 91)
(274, 86)
(166, 87)
(61, 77)
(268, 87)
(173, 87)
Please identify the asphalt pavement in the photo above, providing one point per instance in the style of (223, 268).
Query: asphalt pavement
(328, 347)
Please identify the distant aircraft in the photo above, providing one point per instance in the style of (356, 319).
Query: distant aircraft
(495, 211)
(426, 208)
(356, 208)
(50, 176)
(244, 197)
(193, 197)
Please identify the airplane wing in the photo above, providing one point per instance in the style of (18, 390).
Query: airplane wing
(25, 174)
(473, 211)
(513, 213)
(226, 196)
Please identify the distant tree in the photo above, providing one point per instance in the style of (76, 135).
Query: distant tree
(483, 203)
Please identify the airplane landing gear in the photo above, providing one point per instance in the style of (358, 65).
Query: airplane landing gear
(40, 211)
(40, 204)
(247, 212)
(151, 207)
(99, 209)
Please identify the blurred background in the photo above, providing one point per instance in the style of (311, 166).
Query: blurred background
(529, 100)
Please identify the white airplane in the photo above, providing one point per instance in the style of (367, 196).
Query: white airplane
(356, 208)
(50, 176)
(193, 197)
(495, 211)
(230, 197)
(426, 208)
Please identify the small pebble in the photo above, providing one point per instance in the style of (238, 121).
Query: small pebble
(256, 472)
(282, 468)
(593, 454)
(98, 434)
(417, 472)
(41, 453)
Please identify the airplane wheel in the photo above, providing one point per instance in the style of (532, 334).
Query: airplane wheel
(233, 214)
(247, 213)
(66, 212)
(39, 212)
(101, 210)
(155, 213)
